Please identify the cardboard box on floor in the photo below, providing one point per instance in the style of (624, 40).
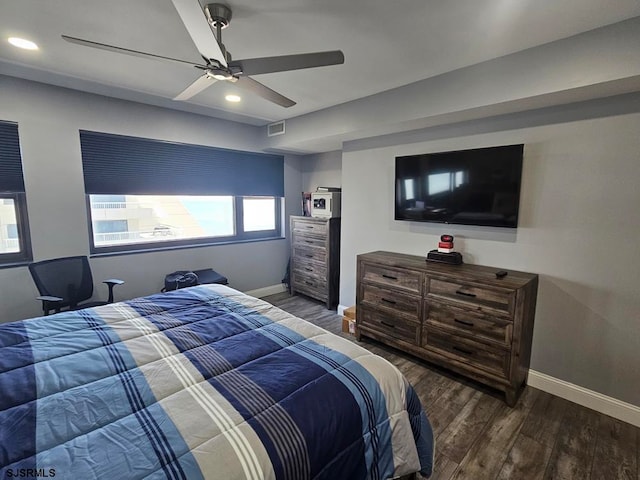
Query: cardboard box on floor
(349, 320)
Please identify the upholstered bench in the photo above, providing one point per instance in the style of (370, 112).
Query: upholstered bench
(208, 275)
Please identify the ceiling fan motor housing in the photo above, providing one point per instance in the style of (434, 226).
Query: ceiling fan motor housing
(218, 15)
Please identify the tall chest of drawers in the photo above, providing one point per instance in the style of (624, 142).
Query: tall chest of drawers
(315, 258)
(461, 317)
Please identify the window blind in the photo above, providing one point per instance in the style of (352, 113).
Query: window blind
(11, 180)
(118, 164)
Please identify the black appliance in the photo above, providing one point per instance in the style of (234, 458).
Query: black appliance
(468, 187)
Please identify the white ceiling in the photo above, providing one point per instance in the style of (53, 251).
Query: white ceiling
(386, 44)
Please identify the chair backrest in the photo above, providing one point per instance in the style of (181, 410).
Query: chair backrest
(68, 278)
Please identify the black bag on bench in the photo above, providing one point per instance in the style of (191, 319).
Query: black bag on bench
(180, 279)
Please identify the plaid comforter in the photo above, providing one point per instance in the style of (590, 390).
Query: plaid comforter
(204, 382)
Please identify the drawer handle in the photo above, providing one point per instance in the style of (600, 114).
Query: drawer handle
(466, 294)
(308, 269)
(390, 325)
(462, 350)
(463, 322)
(309, 256)
(390, 277)
(392, 302)
(308, 283)
(308, 241)
(309, 226)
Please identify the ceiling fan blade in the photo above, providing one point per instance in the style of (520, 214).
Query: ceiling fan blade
(255, 66)
(196, 87)
(127, 51)
(251, 85)
(195, 21)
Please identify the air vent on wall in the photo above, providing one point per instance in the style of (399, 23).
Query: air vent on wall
(274, 129)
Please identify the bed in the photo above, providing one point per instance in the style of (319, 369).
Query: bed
(202, 382)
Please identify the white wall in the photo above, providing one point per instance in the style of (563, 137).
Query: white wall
(579, 229)
(321, 170)
(48, 121)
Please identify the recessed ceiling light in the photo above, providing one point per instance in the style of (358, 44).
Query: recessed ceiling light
(22, 43)
(233, 98)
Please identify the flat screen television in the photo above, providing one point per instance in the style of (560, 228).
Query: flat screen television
(468, 187)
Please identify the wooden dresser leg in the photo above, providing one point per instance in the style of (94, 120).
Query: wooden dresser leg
(511, 396)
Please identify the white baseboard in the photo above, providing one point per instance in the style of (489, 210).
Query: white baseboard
(587, 398)
(265, 291)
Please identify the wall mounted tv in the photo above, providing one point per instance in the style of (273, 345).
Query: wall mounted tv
(467, 187)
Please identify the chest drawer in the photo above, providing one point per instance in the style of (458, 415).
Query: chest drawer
(472, 296)
(307, 226)
(389, 324)
(303, 254)
(376, 297)
(474, 354)
(459, 321)
(309, 269)
(302, 240)
(387, 276)
(313, 286)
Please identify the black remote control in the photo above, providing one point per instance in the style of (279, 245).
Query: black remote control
(501, 274)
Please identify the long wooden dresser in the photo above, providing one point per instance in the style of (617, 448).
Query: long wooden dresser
(315, 258)
(461, 317)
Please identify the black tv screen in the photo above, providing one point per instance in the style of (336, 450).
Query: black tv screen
(467, 187)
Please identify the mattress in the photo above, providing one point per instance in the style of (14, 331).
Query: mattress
(203, 382)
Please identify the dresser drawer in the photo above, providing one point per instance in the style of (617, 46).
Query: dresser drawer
(474, 354)
(305, 254)
(457, 320)
(400, 302)
(302, 240)
(309, 269)
(472, 296)
(312, 286)
(388, 324)
(302, 225)
(388, 276)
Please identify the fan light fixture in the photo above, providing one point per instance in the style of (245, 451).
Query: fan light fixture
(219, 74)
(233, 98)
(22, 43)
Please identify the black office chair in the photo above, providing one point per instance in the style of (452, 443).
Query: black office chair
(65, 283)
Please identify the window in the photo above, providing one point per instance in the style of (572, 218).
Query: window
(148, 194)
(12, 229)
(110, 226)
(10, 238)
(15, 246)
(258, 214)
(108, 201)
(409, 188)
(446, 182)
(152, 220)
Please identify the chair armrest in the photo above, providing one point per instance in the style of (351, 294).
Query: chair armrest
(50, 302)
(49, 298)
(111, 283)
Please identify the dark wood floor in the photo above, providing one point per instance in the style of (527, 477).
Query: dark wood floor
(479, 437)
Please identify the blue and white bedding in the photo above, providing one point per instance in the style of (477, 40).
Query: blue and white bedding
(204, 382)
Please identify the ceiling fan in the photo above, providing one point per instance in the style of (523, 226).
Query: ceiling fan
(218, 64)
